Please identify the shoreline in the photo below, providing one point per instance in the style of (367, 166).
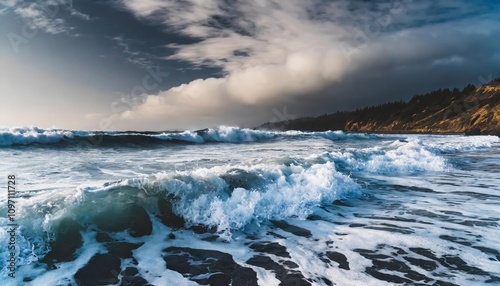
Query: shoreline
(390, 132)
(427, 133)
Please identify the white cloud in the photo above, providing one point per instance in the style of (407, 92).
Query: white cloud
(44, 15)
(135, 57)
(267, 49)
(78, 14)
(274, 51)
(41, 17)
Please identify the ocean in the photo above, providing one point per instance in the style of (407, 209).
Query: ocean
(231, 206)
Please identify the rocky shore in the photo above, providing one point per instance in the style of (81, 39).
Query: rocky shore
(471, 111)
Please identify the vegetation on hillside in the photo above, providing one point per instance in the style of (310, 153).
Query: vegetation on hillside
(470, 110)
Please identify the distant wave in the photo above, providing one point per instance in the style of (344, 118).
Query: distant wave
(399, 157)
(224, 134)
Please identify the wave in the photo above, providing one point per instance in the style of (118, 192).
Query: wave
(224, 198)
(223, 134)
(443, 144)
(398, 157)
(231, 197)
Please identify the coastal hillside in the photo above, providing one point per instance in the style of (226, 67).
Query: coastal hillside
(471, 110)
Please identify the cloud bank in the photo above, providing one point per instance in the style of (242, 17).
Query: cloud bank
(267, 50)
(272, 53)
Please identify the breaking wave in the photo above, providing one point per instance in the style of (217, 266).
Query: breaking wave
(223, 134)
(230, 197)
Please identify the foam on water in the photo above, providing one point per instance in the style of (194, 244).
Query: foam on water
(461, 143)
(396, 157)
(381, 204)
(24, 136)
(222, 134)
(230, 197)
(405, 157)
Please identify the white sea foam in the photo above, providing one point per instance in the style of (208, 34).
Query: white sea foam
(236, 135)
(223, 134)
(405, 158)
(279, 192)
(397, 157)
(451, 144)
(227, 134)
(280, 180)
(23, 136)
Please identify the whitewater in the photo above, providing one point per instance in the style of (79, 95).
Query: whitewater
(232, 206)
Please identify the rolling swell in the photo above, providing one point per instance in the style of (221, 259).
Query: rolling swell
(222, 134)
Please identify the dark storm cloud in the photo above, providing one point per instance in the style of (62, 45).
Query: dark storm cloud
(244, 62)
(401, 65)
(313, 56)
(87, 66)
(96, 42)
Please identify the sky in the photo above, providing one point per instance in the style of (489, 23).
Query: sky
(191, 64)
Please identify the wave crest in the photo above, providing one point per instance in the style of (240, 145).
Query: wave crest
(222, 134)
(229, 198)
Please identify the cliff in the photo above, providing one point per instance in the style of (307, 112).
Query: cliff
(471, 110)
